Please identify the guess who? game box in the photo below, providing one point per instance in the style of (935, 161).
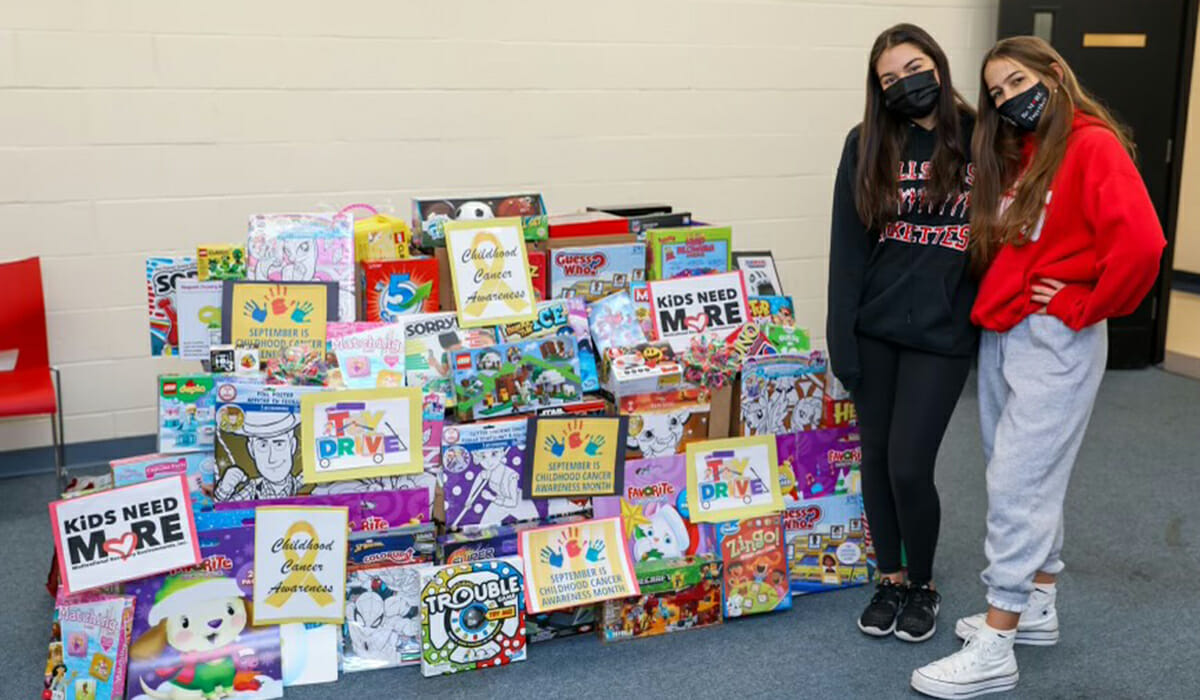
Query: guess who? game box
(828, 545)
(593, 272)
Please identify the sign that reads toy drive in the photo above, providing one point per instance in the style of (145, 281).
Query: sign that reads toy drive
(732, 479)
(576, 456)
(576, 564)
(361, 434)
(300, 564)
(274, 316)
(124, 534)
(490, 270)
(687, 306)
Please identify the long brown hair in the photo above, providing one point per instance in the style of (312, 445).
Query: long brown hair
(882, 134)
(996, 148)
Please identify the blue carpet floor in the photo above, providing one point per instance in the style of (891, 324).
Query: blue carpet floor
(1129, 603)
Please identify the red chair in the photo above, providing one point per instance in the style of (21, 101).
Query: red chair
(33, 387)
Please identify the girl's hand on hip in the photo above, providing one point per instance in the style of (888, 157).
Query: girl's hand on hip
(1044, 292)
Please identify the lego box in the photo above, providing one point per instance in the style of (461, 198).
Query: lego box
(677, 595)
(516, 377)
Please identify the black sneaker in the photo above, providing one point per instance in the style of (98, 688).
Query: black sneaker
(879, 619)
(917, 620)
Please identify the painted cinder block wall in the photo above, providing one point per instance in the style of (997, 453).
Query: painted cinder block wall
(137, 127)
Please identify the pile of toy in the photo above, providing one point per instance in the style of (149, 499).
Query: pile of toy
(434, 445)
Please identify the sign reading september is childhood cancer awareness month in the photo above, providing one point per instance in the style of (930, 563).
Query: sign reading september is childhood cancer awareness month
(361, 434)
(490, 271)
(732, 478)
(576, 456)
(576, 564)
(300, 564)
(687, 306)
(274, 316)
(124, 534)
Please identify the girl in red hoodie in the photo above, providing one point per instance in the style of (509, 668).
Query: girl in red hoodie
(1062, 221)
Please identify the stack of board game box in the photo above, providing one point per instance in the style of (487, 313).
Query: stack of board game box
(435, 442)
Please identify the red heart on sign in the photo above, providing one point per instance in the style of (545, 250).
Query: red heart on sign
(696, 323)
(122, 546)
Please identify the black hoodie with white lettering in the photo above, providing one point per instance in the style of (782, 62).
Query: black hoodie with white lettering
(910, 283)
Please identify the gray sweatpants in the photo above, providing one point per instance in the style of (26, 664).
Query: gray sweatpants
(1037, 385)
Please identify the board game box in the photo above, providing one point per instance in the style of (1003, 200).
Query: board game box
(430, 214)
(186, 412)
(676, 595)
(472, 616)
(551, 319)
(428, 338)
(517, 377)
(482, 480)
(162, 273)
(779, 310)
(689, 252)
(828, 546)
(655, 511)
(755, 566)
(641, 306)
(304, 248)
(95, 644)
(596, 271)
(395, 288)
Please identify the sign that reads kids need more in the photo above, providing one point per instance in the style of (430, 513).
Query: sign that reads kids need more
(684, 307)
(124, 534)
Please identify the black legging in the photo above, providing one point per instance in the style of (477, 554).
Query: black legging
(904, 401)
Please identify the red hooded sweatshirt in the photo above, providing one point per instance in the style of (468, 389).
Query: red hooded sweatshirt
(1099, 234)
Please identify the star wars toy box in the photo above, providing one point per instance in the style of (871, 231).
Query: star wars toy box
(677, 595)
(828, 546)
(429, 214)
(595, 271)
(689, 252)
(517, 377)
(642, 369)
(755, 566)
(394, 288)
(472, 616)
(186, 412)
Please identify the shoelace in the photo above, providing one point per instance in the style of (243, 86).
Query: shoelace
(922, 597)
(889, 591)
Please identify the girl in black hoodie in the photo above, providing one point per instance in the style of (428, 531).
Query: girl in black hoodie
(900, 294)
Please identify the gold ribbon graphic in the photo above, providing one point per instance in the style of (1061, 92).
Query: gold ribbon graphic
(301, 575)
(493, 284)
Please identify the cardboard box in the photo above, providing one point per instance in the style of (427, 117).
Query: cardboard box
(430, 213)
(593, 223)
(639, 225)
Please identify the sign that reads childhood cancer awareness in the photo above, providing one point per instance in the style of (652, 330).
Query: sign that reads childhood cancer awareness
(732, 479)
(687, 306)
(490, 270)
(576, 564)
(361, 434)
(124, 534)
(274, 316)
(576, 456)
(300, 564)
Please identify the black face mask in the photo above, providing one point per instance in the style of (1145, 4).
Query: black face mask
(1025, 110)
(913, 96)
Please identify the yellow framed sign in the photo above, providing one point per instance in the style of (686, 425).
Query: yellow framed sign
(732, 479)
(361, 434)
(576, 457)
(576, 564)
(489, 268)
(274, 316)
(300, 564)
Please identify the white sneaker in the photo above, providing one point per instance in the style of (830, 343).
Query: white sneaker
(1038, 625)
(985, 664)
